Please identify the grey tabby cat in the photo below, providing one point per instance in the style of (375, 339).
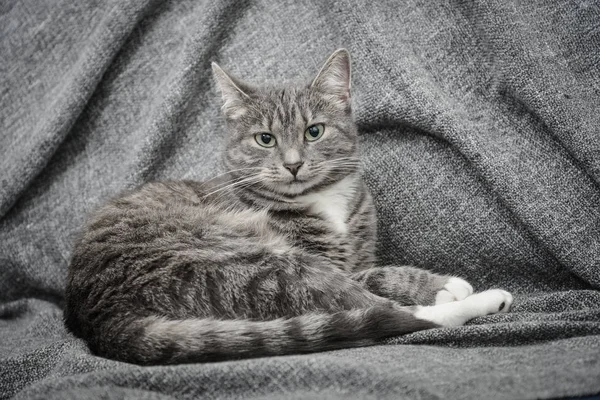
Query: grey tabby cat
(274, 257)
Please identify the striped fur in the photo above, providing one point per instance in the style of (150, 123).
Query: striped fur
(256, 262)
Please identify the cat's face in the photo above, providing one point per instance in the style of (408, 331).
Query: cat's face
(291, 139)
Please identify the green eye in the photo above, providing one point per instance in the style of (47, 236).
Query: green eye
(314, 132)
(265, 139)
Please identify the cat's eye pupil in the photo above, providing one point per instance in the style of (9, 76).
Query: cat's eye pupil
(266, 138)
(314, 132)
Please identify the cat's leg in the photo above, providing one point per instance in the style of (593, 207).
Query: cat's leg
(300, 284)
(412, 286)
(313, 286)
(292, 284)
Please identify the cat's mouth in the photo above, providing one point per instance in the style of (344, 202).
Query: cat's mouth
(290, 181)
(290, 187)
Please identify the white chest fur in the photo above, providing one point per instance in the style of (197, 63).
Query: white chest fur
(333, 202)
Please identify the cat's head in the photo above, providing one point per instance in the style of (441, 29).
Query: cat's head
(290, 139)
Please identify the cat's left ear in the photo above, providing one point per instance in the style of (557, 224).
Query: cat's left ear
(335, 76)
(234, 92)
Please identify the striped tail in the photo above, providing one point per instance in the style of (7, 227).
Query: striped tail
(161, 341)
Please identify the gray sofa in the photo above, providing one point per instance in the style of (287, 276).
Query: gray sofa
(480, 124)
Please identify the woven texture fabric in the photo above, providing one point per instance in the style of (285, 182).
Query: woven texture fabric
(481, 145)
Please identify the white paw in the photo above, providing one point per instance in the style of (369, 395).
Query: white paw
(456, 313)
(455, 289)
(492, 301)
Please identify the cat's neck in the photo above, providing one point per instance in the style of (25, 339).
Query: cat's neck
(332, 202)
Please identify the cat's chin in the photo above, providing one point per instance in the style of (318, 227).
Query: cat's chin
(291, 188)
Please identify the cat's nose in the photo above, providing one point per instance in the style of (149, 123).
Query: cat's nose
(293, 167)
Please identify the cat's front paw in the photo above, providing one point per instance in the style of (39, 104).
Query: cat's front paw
(455, 289)
(457, 313)
(492, 301)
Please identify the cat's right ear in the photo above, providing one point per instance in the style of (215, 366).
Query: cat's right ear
(234, 92)
(334, 77)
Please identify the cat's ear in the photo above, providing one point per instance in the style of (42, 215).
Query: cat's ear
(234, 92)
(335, 76)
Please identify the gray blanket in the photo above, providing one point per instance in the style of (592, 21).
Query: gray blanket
(481, 134)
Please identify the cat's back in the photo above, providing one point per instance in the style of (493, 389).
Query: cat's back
(154, 202)
(169, 213)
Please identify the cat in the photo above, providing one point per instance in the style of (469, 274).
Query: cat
(274, 257)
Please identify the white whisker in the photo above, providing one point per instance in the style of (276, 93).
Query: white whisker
(230, 171)
(253, 179)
